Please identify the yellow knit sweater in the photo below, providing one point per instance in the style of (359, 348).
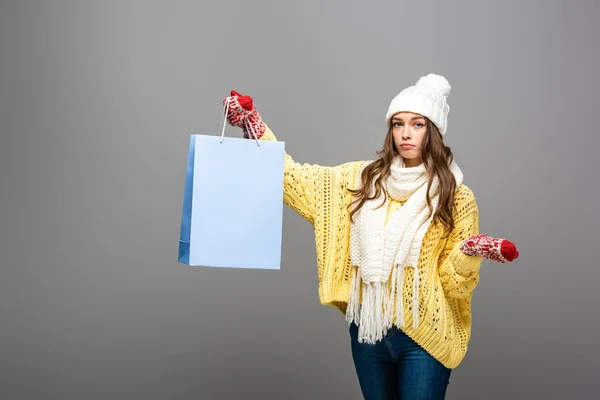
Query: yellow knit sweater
(447, 276)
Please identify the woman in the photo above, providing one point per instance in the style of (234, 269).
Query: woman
(398, 249)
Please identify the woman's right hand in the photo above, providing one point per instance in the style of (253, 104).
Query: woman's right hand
(243, 114)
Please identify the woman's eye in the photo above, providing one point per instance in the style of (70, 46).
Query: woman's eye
(419, 125)
(397, 124)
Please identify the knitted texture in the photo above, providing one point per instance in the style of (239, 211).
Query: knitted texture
(427, 97)
(381, 249)
(447, 276)
(490, 248)
(243, 114)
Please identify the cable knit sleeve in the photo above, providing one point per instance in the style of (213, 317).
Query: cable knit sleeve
(302, 183)
(458, 272)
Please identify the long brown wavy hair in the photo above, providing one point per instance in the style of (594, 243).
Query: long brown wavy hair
(436, 157)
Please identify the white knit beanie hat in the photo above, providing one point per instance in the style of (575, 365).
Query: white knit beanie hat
(427, 97)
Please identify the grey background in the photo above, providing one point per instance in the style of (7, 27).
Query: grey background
(97, 100)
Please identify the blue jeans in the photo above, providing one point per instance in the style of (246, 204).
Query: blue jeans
(396, 367)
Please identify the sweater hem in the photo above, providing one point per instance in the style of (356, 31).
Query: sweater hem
(424, 336)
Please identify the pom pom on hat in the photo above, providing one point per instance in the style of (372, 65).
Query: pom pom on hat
(437, 82)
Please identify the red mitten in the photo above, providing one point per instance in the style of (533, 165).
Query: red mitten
(494, 249)
(243, 114)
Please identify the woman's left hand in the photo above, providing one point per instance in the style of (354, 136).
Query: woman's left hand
(494, 249)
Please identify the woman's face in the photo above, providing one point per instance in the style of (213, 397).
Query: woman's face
(409, 130)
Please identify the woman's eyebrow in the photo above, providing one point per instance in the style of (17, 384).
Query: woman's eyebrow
(396, 119)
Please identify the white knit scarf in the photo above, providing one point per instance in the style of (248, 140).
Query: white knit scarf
(380, 251)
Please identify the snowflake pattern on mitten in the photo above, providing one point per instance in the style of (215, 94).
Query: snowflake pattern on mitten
(243, 114)
(490, 248)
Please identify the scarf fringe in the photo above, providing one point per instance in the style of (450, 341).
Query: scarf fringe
(353, 308)
(371, 304)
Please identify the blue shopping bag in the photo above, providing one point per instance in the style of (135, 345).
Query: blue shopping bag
(233, 203)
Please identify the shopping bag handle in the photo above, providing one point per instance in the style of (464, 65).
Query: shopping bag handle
(224, 122)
